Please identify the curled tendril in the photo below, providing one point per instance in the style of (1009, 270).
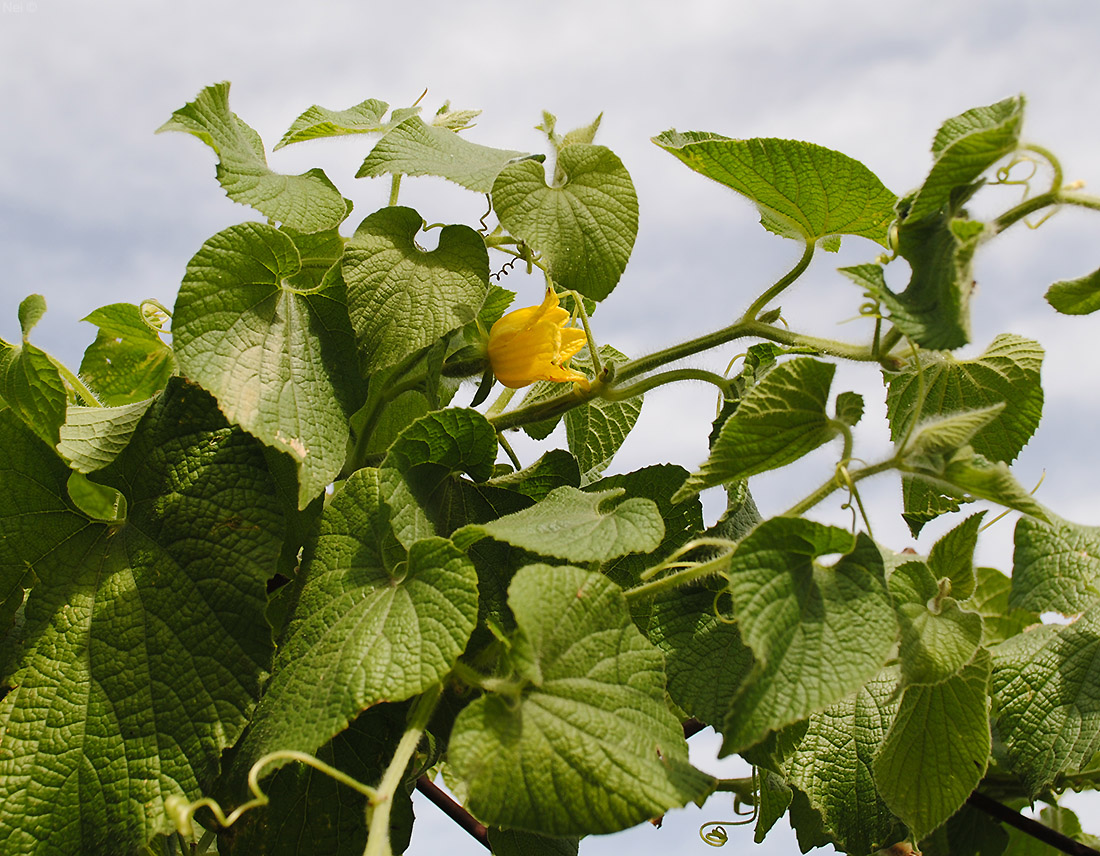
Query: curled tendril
(845, 477)
(485, 226)
(154, 314)
(713, 832)
(717, 610)
(506, 269)
(180, 811)
(1005, 172)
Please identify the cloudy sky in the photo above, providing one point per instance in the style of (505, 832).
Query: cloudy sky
(94, 209)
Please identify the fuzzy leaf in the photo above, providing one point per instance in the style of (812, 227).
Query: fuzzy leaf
(127, 362)
(802, 190)
(1055, 566)
(273, 355)
(817, 633)
(401, 298)
(307, 202)
(417, 148)
(1076, 296)
(780, 419)
(142, 657)
(937, 748)
(589, 746)
(373, 623)
(577, 526)
(584, 228)
(1045, 683)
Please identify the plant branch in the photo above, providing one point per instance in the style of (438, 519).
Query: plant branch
(613, 393)
(775, 290)
(835, 482)
(1037, 830)
(380, 804)
(73, 380)
(438, 797)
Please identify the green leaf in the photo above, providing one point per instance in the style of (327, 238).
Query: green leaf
(438, 446)
(584, 228)
(775, 798)
(557, 468)
(310, 812)
(588, 745)
(31, 385)
(417, 148)
(577, 526)
(598, 429)
(127, 362)
(1076, 296)
(31, 310)
(705, 658)
(512, 842)
(682, 522)
(817, 633)
(849, 408)
(966, 146)
(991, 601)
(780, 419)
(1055, 566)
(924, 502)
(1045, 685)
(92, 437)
(936, 642)
(934, 309)
(145, 639)
(802, 190)
(944, 434)
(1006, 373)
(401, 298)
(307, 202)
(372, 623)
(832, 766)
(96, 501)
(318, 122)
(273, 356)
(952, 556)
(937, 748)
(970, 475)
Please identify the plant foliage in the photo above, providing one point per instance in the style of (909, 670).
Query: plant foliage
(267, 563)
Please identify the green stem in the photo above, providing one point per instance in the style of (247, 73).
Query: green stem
(593, 351)
(75, 382)
(773, 292)
(552, 407)
(1049, 157)
(1026, 208)
(744, 788)
(547, 409)
(497, 407)
(671, 376)
(380, 805)
(889, 339)
(680, 578)
(507, 447)
(833, 483)
(1081, 199)
(395, 188)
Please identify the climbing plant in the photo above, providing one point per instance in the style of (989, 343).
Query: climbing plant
(261, 574)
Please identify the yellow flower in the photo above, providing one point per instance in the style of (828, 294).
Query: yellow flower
(534, 344)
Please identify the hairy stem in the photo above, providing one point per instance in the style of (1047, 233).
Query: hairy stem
(835, 482)
(381, 803)
(775, 290)
(653, 381)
